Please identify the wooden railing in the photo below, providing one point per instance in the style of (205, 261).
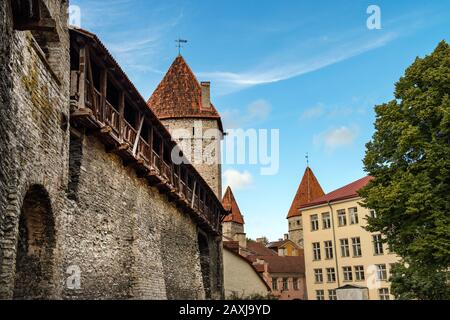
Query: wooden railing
(129, 133)
(166, 171)
(144, 151)
(112, 118)
(156, 163)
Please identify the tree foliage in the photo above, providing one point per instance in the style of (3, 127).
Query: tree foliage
(409, 157)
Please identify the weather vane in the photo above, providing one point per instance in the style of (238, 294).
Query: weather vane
(307, 159)
(180, 43)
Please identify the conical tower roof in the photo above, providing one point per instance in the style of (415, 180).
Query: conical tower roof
(179, 95)
(308, 191)
(230, 204)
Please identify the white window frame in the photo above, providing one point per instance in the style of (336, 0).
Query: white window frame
(329, 254)
(314, 222)
(318, 276)
(356, 246)
(326, 221)
(345, 247)
(353, 214)
(382, 273)
(274, 284)
(285, 284)
(317, 256)
(332, 295)
(295, 284)
(378, 244)
(331, 275)
(348, 274)
(360, 273)
(320, 295)
(342, 218)
(384, 294)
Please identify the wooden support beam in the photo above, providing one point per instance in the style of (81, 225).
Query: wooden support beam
(121, 115)
(82, 77)
(138, 136)
(193, 194)
(103, 92)
(151, 145)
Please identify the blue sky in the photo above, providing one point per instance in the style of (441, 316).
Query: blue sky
(311, 69)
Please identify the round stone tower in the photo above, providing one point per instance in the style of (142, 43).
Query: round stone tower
(183, 105)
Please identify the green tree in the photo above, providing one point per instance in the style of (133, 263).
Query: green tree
(409, 158)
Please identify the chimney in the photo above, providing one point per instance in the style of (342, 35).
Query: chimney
(286, 236)
(206, 94)
(242, 239)
(262, 240)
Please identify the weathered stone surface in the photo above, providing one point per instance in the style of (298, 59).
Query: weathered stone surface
(207, 158)
(124, 237)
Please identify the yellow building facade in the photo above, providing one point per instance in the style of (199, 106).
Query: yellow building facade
(339, 251)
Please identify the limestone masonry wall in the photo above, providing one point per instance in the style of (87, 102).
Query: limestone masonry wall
(75, 222)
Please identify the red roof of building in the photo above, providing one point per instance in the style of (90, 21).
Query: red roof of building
(258, 249)
(308, 190)
(179, 95)
(277, 264)
(347, 192)
(230, 204)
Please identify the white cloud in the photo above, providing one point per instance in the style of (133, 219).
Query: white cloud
(296, 66)
(313, 112)
(237, 180)
(336, 138)
(256, 112)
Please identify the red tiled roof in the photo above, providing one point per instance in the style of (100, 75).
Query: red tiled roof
(347, 192)
(259, 249)
(179, 95)
(230, 204)
(279, 264)
(308, 190)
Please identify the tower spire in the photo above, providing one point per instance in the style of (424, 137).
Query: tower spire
(180, 43)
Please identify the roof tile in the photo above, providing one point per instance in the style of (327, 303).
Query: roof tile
(308, 190)
(347, 192)
(179, 95)
(230, 204)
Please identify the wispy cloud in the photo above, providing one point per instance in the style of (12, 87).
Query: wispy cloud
(355, 107)
(313, 112)
(135, 41)
(255, 113)
(331, 53)
(335, 138)
(237, 180)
